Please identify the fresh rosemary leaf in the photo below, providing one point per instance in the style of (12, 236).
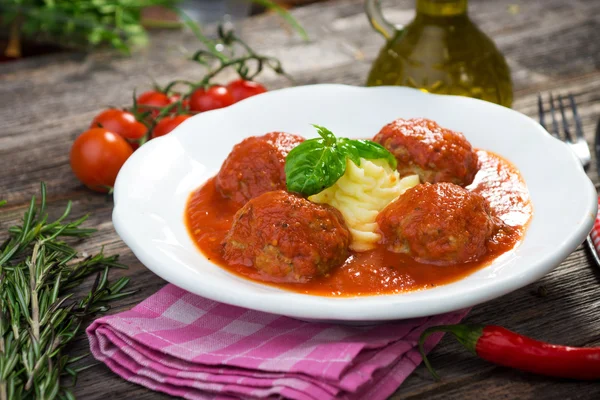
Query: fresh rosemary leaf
(40, 312)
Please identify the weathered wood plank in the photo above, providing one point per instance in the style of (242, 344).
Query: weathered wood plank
(550, 46)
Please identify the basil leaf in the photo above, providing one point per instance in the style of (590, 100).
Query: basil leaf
(316, 164)
(313, 166)
(326, 134)
(373, 151)
(348, 147)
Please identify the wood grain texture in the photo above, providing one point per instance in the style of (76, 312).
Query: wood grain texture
(550, 46)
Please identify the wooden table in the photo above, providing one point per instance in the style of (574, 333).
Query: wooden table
(550, 45)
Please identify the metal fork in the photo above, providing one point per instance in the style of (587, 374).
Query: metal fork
(579, 145)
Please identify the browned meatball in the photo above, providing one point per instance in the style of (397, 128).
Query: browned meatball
(423, 147)
(255, 166)
(438, 223)
(287, 237)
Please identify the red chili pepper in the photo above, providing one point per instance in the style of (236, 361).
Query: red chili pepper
(507, 348)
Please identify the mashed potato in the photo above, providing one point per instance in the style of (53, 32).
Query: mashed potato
(361, 193)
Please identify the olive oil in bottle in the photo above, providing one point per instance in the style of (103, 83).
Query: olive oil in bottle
(440, 51)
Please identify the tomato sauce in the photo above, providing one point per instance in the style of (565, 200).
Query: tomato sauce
(209, 216)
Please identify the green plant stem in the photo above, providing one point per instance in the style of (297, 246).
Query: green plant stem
(190, 23)
(35, 310)
(285, 15)
(225, 59)
(39, 311)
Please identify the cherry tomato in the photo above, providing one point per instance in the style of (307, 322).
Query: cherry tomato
(121, 122)
(97, 156)
(241, 89)
(214, 97)
(152, 98)
(167, 124)
(185, 104)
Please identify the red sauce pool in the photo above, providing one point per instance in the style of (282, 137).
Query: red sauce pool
(208, 218)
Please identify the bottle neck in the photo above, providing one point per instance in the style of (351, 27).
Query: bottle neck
(442, 8)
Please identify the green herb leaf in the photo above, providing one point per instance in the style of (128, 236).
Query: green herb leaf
(41, 309)
(347, 146)
(81, 23)
(326, 134)
(373, 151)
(317, 164)
(314, 165)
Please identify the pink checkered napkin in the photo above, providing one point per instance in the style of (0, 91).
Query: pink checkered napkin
(184, 345)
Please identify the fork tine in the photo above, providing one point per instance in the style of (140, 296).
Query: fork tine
(564, 119)
(555, 131)
(578, 127)
(541, 111)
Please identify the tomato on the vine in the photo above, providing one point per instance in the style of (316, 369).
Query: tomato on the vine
(152, 98)
(185, 103)
(121, 122)
(210, 99)
(167, 124)
(241, 89)
(96, 157)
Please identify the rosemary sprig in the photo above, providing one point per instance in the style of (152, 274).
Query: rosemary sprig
(39, 310)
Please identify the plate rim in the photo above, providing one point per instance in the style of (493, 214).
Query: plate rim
(321, 307)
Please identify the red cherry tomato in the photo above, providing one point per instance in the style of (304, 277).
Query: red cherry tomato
(154, 99)
(121, 122)
(96, 156)
(167, 124)
(214, 97)
(241, 89)
(185, 104)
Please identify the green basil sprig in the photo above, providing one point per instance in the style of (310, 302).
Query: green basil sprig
(317, 164)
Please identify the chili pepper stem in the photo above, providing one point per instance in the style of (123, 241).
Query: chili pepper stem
(467, 335)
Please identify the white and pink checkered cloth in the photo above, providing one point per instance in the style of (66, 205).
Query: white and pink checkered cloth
(184, 345)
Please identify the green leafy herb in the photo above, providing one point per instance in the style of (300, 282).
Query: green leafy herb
(92, 23)
(40, 313)
(317, 164)
(76, 23)
(370, 150)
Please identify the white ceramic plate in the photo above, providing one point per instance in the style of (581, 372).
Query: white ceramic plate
(153, 186)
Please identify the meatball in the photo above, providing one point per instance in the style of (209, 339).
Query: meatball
(439, 223)
(423, 147)
(287, 237)
(255, 166)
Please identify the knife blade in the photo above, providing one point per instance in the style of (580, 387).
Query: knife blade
(589, 241)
